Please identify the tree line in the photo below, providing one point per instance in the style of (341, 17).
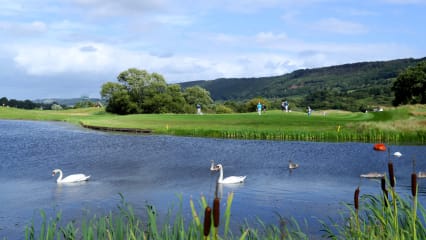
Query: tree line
(26, 104)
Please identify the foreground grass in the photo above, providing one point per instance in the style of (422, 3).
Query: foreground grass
(205, 223)
(397, 125)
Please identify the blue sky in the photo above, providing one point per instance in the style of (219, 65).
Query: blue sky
(69, 48)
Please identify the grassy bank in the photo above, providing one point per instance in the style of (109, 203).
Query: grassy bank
(396, 125)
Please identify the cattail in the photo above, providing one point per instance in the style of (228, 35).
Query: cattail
(413, 184)
(207, 221)
(356, 198)
(383, 183)
(391, 174)
(216, 212)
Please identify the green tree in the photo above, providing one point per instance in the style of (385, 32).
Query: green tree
(197, 95)
(177, 101)
(410, 86)
(56, 107)
(109, 88)
(120, 103)
(251, 105)
(3, 101)
(154, 94)
(138, 91)
(135, 80)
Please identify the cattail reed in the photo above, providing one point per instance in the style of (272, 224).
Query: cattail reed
(413, 184)
(383, 184)
(216, 212)
(414, 193)
(207, 221)
(391, 174)
(385, 192)
(356, 203)
(356, 198)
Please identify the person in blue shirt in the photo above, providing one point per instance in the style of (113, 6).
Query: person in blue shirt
(259, 108)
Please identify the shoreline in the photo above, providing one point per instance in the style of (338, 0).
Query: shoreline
(117, 129)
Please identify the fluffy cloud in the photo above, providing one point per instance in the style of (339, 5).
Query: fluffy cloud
(335, 25)
(18, 28)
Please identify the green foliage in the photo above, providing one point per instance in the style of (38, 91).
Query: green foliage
(56, 107)
(26, 104)
(197, 95)
(352, 85)
(220, 108)
(120, 103)
(381, 217)
(124, 224)
(251, 105)
(410, 86)
(137, 91)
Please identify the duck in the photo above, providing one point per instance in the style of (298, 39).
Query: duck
(372, 175)
(421, 175)
(292, 165)
(227, 180)
(397, 154)
(71, 178)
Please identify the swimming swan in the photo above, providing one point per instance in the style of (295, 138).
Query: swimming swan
(292, 165)
(231, 179)
(372, 175)
(71, 178)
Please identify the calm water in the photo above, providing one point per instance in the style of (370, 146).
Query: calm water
(158, 169)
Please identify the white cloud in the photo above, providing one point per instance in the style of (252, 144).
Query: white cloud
(405, 1)
(23, 28)
(176, 20)
(267, 37)
(48, 60)
(335, 25)
(123, 7)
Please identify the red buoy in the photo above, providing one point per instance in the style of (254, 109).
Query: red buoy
(379, 147)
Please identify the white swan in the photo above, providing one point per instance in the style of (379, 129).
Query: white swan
(231, 179)
(372, 175)
(397, 154)
(71, 178)
(292, 165)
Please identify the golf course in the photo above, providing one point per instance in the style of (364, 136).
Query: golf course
(401, 125)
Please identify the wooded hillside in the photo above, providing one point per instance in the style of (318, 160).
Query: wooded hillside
(367, 83)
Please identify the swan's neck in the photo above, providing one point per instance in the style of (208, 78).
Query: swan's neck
(220, 179)
(60, 177)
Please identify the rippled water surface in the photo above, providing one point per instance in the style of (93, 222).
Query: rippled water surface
(149, 169)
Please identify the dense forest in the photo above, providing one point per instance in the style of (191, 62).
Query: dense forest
(357, 86)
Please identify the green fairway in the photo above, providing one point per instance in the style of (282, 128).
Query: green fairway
(399, 125)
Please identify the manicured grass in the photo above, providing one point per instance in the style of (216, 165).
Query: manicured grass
(396, 125)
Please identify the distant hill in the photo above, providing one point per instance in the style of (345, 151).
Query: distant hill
(357, 81)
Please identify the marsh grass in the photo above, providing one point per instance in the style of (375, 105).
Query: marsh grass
(378, 217)
(124, 224)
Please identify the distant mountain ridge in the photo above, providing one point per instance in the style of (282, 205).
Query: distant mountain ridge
(373, 77)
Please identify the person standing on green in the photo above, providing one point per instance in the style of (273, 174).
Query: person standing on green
(259, 108)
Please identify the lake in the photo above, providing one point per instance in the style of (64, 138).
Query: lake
(158, 170)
